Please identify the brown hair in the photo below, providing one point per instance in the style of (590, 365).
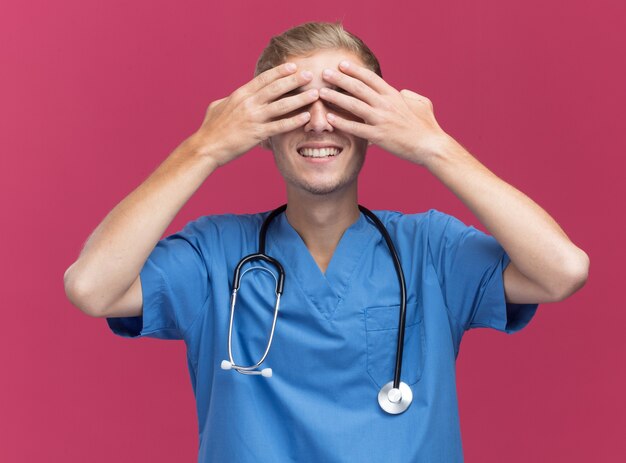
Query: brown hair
(309, 37)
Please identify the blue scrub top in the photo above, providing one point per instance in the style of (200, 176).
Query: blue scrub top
(335, 340)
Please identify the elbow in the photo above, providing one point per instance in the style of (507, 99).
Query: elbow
(78, 294)
(576, 275)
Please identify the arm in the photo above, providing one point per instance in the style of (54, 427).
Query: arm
(110, 262)
(104, 281)
(545, 265)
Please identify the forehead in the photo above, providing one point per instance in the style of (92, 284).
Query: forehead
(319, 60)
(325, 58)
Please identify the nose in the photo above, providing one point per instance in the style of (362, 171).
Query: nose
(318, 121)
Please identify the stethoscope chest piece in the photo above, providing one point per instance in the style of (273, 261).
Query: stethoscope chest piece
(395, 401)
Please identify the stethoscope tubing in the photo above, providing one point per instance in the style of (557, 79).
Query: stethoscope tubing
(400, 273)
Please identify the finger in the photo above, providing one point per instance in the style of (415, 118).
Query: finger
(267, 77)
(285, 125)
(288, 104)
(352, 127)
(353, 86)
(343, 102)
(280, 87)
(366, 75)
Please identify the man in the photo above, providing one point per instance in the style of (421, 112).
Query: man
(317, 100)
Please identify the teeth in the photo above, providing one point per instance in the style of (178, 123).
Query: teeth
(319, 153)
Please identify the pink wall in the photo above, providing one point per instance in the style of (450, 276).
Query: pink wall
(94, 95)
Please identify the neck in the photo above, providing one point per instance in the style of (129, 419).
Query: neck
(321, 220)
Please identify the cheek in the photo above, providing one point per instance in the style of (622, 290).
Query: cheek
(362, 145)
(280, 150)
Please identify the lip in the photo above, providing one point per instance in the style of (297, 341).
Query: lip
(318, 145)
(320, 160)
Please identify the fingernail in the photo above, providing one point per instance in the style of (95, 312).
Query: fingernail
(290, 67)
(307, 74)
(313, 92)
(323, 91)
(328, 72)
(330, 117)
(344, 64)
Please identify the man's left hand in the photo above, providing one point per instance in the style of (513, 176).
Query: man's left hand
(401, 122)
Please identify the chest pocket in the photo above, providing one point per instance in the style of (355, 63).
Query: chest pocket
(381, 333)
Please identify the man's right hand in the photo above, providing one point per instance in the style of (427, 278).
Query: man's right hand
(105, 279)
(253, 113)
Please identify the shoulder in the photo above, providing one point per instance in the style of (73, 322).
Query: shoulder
(430, 220)
(218, 229)
(429, 229)
(226, 222)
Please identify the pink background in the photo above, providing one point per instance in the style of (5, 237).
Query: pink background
(94, 95)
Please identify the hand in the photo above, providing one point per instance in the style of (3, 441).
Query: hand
(252, 113)
(402, 122)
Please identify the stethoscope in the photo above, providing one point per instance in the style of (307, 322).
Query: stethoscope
(395, 396)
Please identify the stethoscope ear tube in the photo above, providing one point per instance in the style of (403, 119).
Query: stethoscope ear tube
(280, 281)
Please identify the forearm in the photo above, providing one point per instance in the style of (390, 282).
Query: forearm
(536, 244)
(117, 249)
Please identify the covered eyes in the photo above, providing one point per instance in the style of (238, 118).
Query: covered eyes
(301, 90)
(291, 93)
(329, 105)
(334, 107)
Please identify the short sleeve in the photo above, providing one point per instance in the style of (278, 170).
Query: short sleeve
(175, 287)
(470, 266)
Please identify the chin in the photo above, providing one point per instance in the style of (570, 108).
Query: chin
(319, 190)
(324, 188)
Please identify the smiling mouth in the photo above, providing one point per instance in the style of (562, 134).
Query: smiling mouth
(319, 152)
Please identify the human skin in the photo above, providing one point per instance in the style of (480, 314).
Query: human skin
(545, 265)
(104, 281)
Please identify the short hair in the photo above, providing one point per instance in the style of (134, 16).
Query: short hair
(310, 37)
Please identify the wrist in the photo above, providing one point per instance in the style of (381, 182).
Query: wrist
(200, 147)
(444, 150)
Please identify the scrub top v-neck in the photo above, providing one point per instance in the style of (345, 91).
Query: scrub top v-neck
(325, 290)
(334, 344)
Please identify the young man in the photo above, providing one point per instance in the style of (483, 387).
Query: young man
(317, 100)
